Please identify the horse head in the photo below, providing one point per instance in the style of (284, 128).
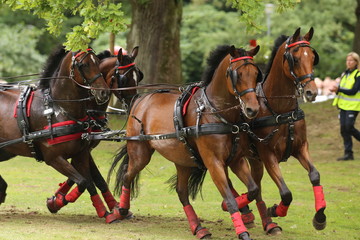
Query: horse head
(85, 72)
(299, 60)
(120, 72)
(244, 75)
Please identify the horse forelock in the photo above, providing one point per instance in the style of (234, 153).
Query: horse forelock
(278, 42)
(51, 65)
(213, 61)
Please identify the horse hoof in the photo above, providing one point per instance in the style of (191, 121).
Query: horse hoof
(319, 220)
(273, 229)
(116, 215)
(203, 233)
(244, 236)
(51, 205)
(2, 197)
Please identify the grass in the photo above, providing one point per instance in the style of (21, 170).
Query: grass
(158, 212)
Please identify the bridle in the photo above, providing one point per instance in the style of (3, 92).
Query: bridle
(78, 65)
(234, 76)
(290, 59)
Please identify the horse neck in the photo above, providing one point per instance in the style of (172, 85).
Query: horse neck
(217, 92)
(65, 89)
(279, 89)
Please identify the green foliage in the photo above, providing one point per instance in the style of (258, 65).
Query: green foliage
(98, 16)
(203, 29)
(18, 53)
(333, 22)
(251, 11)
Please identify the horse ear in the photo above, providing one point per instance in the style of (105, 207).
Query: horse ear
(134, 52)
(296, 35)
(309, 35)
(254, 51)
(232, 51)
(120, 56)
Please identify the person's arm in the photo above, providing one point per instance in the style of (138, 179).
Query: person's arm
(353, 90)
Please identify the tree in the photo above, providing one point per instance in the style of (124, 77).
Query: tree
(155, 27)
(98, 16)
(356, 45)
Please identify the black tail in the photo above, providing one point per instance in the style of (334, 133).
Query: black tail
(119, 181)
(196, 181)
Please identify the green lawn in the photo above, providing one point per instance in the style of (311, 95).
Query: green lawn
(158, 212)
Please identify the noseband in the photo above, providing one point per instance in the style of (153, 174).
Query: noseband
(290, 59)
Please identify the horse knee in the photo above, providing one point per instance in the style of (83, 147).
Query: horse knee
(286, 198)
(253, 193)
(314, 176)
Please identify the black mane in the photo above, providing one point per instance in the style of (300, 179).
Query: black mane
(213, 62)
(280, 40)
(104, 54)
(51, 65)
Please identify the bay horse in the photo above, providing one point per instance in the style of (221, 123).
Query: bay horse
(119, 72)
(47, 122)
(201, 134)
(280, 125)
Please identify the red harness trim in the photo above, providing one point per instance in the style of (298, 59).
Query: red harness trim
(126, 66)
(186, 104)
(64, 138)
(241, 58)
(28, 105)
(297, 43)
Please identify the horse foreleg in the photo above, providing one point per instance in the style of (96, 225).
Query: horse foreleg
(183, 174)
(3, 187)
(60, 164)
(220, 179)
(319, 220)
(102, 185)
(257, 171)
(272, 167)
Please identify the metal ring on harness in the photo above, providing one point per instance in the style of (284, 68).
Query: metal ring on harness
(294, 117)
(277, 119)
(235, 129)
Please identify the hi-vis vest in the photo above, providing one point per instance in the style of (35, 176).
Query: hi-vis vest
(347, 102)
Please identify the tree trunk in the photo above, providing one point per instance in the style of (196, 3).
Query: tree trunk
(112, 42)
(155, 28)
(356, 45)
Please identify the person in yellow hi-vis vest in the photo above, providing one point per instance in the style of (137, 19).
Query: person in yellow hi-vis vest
(348, 101)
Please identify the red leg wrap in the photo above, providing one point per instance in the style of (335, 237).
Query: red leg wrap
(241, 201)
(109, 199)
(192, 218)
(263, 214)
(99, 205)
(319, 198)
(125, 198)
(281, 210)
(64, 188)
(73, 195)
(238, 223)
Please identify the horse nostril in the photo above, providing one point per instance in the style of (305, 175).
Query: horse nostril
(251, 113)
(310, 95)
